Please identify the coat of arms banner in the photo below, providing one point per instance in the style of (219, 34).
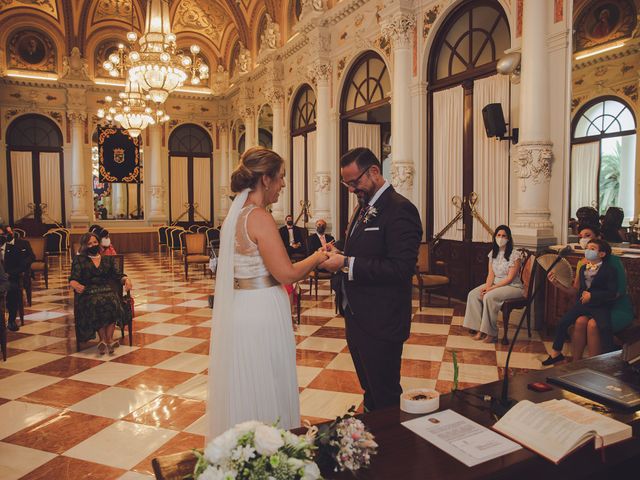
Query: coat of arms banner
(119, 156)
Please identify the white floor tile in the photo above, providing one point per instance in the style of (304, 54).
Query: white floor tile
(325, 404)
(108, 373)
(19, 415)
(342, 361)
(423, 352)
(114, 402)
(307, 374)
(165, 329)
(196, 388)
(323, 344)
(23, 383)
(186, 362)
(29, 360)
(176, 344)
(17, 461)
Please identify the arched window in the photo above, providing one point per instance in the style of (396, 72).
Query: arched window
(365, 117)
(191, 175)
(35, 175)
(603, 156)
(235, 55)
(303, 145)
(462, 160)
(293, 14)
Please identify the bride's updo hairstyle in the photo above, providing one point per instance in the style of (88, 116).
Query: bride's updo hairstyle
(254, 163)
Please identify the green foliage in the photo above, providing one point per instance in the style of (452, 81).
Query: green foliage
(610, 179)
(455, 371)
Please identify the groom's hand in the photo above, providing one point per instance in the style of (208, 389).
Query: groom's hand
(333, 263)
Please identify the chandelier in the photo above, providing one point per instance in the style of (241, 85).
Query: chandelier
(131, 110)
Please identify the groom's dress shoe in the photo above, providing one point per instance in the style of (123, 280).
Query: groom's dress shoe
(13, 326)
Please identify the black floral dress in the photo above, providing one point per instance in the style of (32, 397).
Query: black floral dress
(99, 305)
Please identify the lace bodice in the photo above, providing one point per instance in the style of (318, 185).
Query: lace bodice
(248, 262)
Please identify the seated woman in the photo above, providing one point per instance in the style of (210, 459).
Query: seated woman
(621, 312)
(597, 290)
(106, 247)
(503, 282)
(98, 307)
(612, 230)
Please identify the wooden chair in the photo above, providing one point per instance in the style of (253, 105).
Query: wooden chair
(527, 275)
(213, 237)
(40, 264)
(19, 232)
(162, 238)
(176, 243)
(424, 280)
(195, 252)
(174, 467)
(315, 276)
(117, 288)
(3, 325)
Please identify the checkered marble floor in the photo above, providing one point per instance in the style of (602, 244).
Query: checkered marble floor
(73, 415)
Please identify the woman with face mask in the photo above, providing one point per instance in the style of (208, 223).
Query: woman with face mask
(106, 247)
(98, 307)
(597, 291)
(503, 282)
(621, 310)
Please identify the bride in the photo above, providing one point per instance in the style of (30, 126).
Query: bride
(252, 372)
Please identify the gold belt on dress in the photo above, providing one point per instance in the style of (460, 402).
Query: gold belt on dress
(254, 283)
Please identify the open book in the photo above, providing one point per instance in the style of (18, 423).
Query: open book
(556, 428)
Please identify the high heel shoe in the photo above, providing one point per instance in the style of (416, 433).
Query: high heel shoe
(552, 360)
(102, 348)
(112, 346)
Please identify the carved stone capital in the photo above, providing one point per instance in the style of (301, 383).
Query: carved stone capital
(533, 163)
(76, 117)
(274, 95)
(78, 191)
(247, 111)
(399, 29)
(322, 183)
(319, 71)
(312, 7)
(157, 192)
(402, 176)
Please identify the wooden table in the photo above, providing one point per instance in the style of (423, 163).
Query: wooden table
(404, 455)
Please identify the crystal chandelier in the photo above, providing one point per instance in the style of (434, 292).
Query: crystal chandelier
(131, 110)
(159, 67)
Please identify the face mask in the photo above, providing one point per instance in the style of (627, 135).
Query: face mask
(501, 241)
(591, 255)
(584, 242)
(105, 242)
(94, 250)
(289, 223)
(321, 229)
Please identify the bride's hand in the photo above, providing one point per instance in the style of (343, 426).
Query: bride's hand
(320, 256)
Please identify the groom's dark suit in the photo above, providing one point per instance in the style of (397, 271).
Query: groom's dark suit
(384, 245)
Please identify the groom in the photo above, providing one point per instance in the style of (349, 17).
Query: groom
(373, 285)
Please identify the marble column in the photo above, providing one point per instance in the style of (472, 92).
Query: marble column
(119, 200)
(224, 172)
(248, 114)
(153, 162)
(79, 187)
(531, 221)
(321, 206)
(399, 30)
(275, 97)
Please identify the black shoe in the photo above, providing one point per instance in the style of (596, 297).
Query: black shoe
(552, 360)
(13, 326)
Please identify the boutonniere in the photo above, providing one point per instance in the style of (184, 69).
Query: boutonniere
(370, 215)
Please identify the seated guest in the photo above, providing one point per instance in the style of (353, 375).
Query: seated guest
(320, 238)
(587, 215)
(106, 247)
(612, 225)
(98, 307)
(292, 237)
(597, 290)
(503, 282)
(95, 228)
(17, 256)
(621, 312)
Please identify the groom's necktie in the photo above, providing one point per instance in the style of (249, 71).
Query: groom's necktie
(359, 220)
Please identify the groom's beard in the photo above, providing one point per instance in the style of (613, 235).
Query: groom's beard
(363, 199)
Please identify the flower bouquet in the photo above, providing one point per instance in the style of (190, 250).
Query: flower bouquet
(255, 451)
(343, 444)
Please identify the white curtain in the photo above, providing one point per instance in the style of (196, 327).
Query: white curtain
(298, 180)
(202, 188)
(132, 195)
(179, 187)
(490, 158)
(311, 165)
(585, 162)
(363, 135)
(22, 184)
(448, 109)
(50, 186)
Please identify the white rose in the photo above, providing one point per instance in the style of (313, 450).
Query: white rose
(211, 473)
(311, 471)
(245, 427)
(292, 439)
(267, 440)
(295, 463)
(221, 446)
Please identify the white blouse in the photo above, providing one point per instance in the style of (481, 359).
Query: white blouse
(501, 267)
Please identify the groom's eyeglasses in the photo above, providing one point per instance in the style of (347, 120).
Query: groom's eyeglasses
(354, 183)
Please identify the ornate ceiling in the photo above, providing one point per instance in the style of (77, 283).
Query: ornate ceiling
(94, 26)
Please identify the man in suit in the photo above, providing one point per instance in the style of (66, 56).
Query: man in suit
(320, 238)
(16, 256)
(292, 237)
(373, 287)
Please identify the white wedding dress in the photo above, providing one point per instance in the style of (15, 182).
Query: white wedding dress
(252, 371)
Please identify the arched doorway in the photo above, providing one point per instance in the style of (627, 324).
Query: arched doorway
(603, 156)
(462, 161)
(303, 146)
(35, 173)
(365, 118)
(191, 174)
